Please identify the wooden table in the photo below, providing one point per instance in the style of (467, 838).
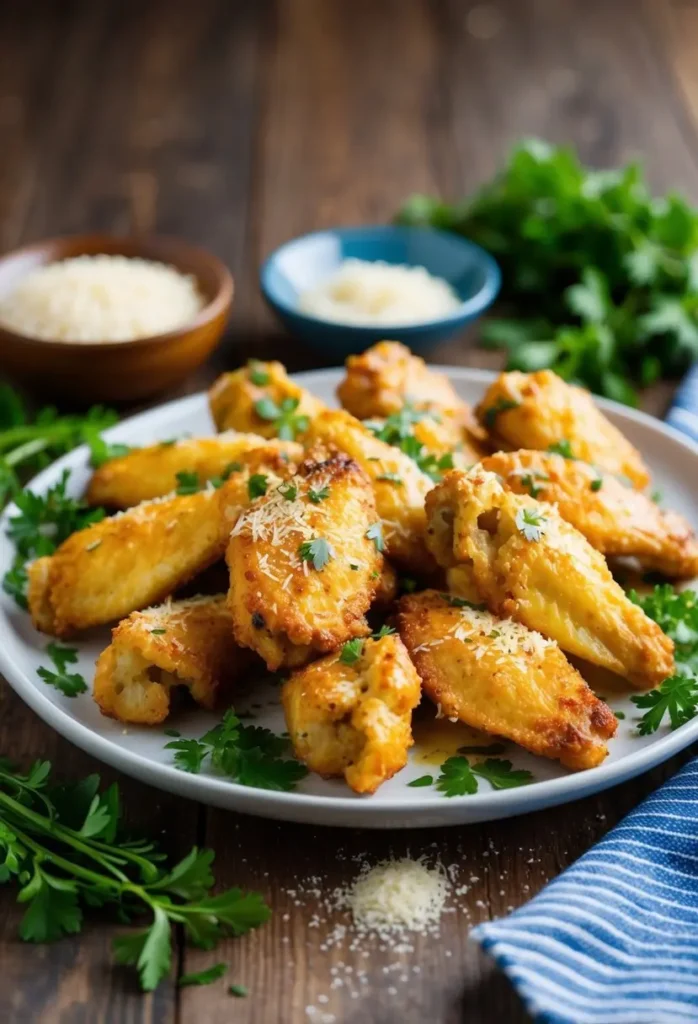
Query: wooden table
(238, 125)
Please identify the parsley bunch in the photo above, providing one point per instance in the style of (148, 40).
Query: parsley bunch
(247, 754)
(600, 279)
(676, 613)
(43, 523)
(63, 846)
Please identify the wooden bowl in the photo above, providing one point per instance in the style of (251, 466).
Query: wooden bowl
(116, 370)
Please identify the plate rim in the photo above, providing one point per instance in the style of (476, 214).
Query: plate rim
(333, 810)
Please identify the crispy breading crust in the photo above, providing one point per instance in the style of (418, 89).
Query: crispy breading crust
(233, 396)
(281, 605)
(147, 473)
(178, 644)
(554, 582)
(381, 380)
(545, 411)
(400, 502)
(354, 720)
(616, 520)
(498, 676)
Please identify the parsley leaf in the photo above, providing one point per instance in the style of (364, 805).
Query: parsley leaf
(460, 602)
(397, 430)
(500, 775)
(392, 478)
(258, 373)
(501, 405)
(563, 447)
(257, 485)
(317, 496)
(529, 482)
(375, 533)
(383, 631)
(288, 491)
(237, 990)
(318, 551)
(423, 780)
(102, 451)
(187, 483)
(531, 523)
(70, 684)
(284, 417)
(456, 778)
(205, 977)
(351, 651)
(597, 484)
(676, 697)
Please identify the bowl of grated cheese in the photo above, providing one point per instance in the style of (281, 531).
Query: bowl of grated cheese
(102, 318)
(343, 289)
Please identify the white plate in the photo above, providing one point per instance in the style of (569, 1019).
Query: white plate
(140, 752)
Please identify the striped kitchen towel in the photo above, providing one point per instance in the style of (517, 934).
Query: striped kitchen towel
(614, 939)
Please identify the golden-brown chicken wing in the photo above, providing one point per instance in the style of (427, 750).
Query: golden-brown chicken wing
(151, 472)
(177, 644)
(537, 410)
(616, 520)
(249, 399)
(386, 377)
(495, 674)
(399, 485)
(304, 566)
(354, 719)
(530, 565)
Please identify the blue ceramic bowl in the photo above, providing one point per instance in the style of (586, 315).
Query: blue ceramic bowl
(304, 262)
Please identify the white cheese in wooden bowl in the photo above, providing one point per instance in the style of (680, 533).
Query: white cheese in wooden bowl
(365, 292)
(100, 298)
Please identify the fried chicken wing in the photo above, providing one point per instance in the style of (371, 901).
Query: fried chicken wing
(151, 472)
(178, 644)
(530, 565)
(399, 485)
(495, 674)
(303, 571)
(234, 400)
(386, 377)
(616, 520)
(128, 561)
(537, 410)
(354, 719)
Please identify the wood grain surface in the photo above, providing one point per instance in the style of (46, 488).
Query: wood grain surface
(238, 125)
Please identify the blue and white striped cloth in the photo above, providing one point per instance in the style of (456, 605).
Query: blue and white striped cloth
(614, 939)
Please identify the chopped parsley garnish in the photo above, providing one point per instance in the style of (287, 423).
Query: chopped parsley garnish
(205, 977)
(70, 684)
(257, 485)
(500, 406)
(247, 754)
(531, 523)
(397, 430)
(237, 990)
(460, 602)
(258, 373)
(460, 778)
(318, 551)
(158, 632)
(351, 651)
(597, 484)
(383, 631)
(392, 478)
(317, 496)
(288, 491)
(232, 467)
(676, 613)
(529, 482)
(375, 533)
(286, 422)
(187, 483)
(563, 447)
(423, 780)
(102, 451)
(620, 715)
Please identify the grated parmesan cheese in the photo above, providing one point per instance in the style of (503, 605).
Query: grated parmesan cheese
(101, 298)
(398, 896)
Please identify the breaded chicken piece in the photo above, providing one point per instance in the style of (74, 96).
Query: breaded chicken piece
(139, 557)
(386, 588)
(354, 719)
(234, 400)
(532, 566)
(536, 410)
(616, 520)
(387, 376)
(303, 571)
(495, 674)
(399, 485)
(151, 472)
(177, 644)
(128, 561)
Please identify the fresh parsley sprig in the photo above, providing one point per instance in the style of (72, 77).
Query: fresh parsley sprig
(284, 416)
(398, 430)
(247, 754)
(70, 684)
(459, 776)
(65, 850)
